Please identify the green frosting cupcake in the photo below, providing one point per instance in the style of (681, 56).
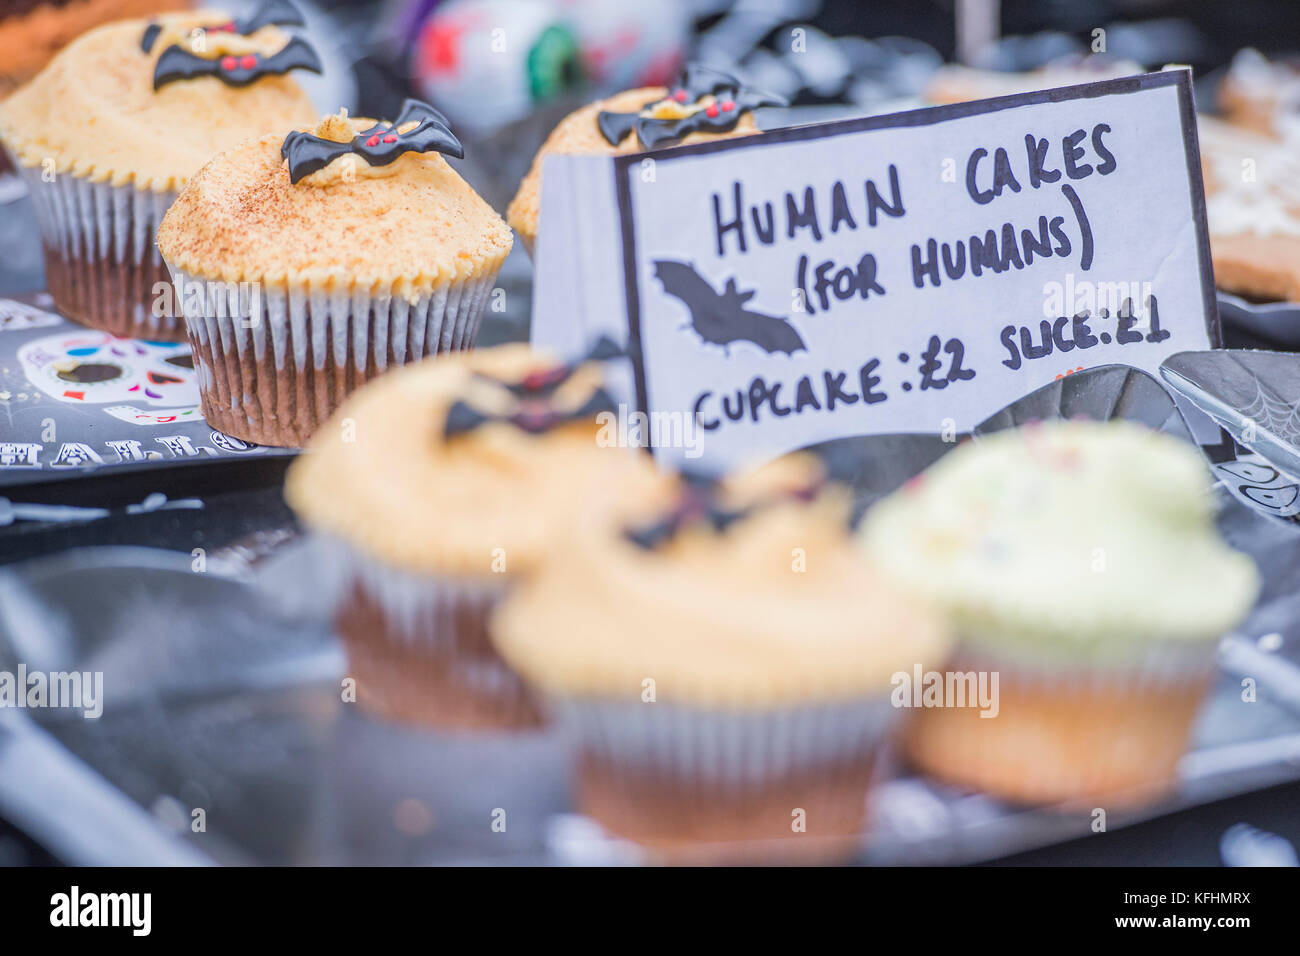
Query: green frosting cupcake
(1070, 540)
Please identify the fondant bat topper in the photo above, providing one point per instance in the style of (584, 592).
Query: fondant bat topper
(178, 63)
(546, 380)
(379, 145)
(280, 13)
(681, 112)
(698, 502)
(534, 416)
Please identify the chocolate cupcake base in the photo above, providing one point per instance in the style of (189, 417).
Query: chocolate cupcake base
(274, 362)
(101, 265)
(419, 652)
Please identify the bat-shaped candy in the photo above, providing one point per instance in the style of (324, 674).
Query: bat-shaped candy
(545, 381)
(281, 13)
(379, 145)
(721, 318)
(699, 501)
(178, 63)
(682, 111)
(533, 416)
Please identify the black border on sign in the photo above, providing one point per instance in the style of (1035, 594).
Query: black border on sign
(927, 116)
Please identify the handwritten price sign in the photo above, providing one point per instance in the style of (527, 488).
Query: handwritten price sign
(913, 272)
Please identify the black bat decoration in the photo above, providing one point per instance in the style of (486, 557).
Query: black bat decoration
(177, 63)
(534, 417)
(278, 12)
(379, 145)
(731, 99)
(546, 380)
(698, 501)
(721, 318)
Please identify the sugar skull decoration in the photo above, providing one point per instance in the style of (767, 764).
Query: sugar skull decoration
(419, 128)
(89, 367)
(230, 55)
(703, 101)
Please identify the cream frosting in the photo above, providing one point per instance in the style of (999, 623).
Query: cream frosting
(778, 608)
(416, 227)
(95, 113)
(381, 476)
(1067, 537)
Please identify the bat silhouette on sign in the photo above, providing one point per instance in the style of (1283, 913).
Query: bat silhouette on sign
(533, 416)
(177, 63)
(681, 112)
(379, 145)
(278, 12)
(720, 318)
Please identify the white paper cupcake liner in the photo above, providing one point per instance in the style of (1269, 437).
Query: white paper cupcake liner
(427, 618)
(726, 748)
(274, 361)
(1083, 732)
(102, 264)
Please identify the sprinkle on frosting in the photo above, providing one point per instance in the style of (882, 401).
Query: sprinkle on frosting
(1076, 537)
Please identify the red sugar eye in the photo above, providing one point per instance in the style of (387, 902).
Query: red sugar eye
(373, 141)
(248, 62)
(680, 96)
(228, 63)
(712, 110)
(728, 105)
(390, 138)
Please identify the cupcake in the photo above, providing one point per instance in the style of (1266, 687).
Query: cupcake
(108, 133)
(1078, 561)
(723, 656)
(1261, 94)
(705, 104)
(954, 83)
(32, 31)
(315, 261)
(1252, 206)
(435, 489)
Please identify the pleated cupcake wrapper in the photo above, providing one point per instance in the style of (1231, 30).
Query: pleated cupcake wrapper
(726, 748)
(1158, 664)
(1121, 752)
(102, 263)
(424, 617)
(274, 361)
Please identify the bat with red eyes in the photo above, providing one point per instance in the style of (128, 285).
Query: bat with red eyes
(177, 63)
(280, 13)
(379, 145)
(534, 417)
(731, 99)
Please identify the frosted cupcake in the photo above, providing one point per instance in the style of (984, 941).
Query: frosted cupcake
(320, 259)
(724, 657)
(705, 104)
(1079, 562)
(436, 488)
(111, 130)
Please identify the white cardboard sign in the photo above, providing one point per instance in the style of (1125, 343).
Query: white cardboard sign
(905, 273)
